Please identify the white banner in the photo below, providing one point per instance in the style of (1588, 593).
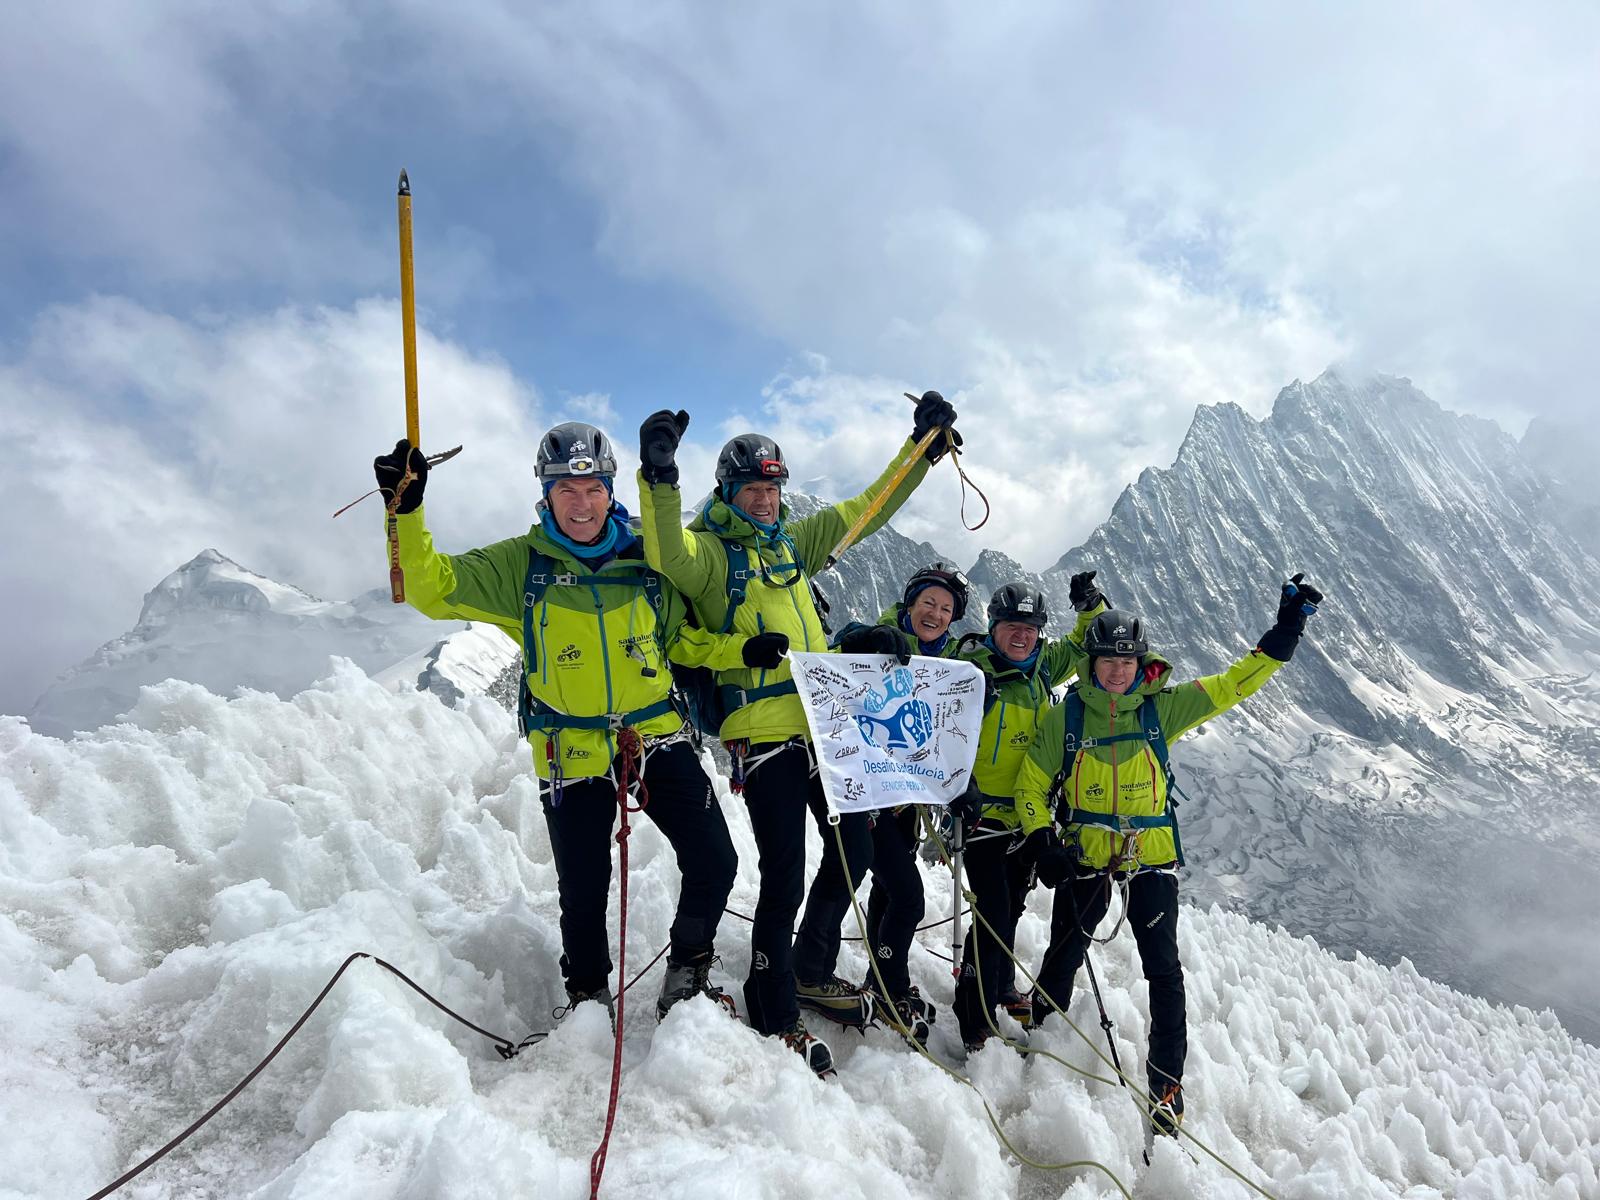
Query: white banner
(887, 735)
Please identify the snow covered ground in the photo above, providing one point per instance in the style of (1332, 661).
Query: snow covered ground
(174, 891)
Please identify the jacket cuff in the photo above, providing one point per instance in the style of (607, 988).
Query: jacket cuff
(1279, 643)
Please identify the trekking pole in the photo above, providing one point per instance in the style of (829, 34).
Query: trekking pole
(956, 862)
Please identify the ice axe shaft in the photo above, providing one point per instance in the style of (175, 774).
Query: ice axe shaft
(408, 311)
(878, 501)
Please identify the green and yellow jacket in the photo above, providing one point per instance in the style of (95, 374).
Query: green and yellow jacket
(592, 644)
(1124, 778)
(778, 595)
(1015, 702)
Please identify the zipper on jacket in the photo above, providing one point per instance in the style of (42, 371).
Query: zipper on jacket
(805, 630)
(605, 660)
(1001, 728)
(1116, 793)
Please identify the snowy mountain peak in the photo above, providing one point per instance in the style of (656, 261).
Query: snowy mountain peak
(212, 580)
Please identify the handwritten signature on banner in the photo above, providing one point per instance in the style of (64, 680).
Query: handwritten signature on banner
(888, 734)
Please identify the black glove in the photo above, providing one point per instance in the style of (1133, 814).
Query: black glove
(764, 651)
(875, 639)
(1297, 602)
(934, 410)
(658, 445)
(1049, 857)
(391, 468)
(1083, 593)
(967, 807)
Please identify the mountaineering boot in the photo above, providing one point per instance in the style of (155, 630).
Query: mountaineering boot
(1166, 1114)
(1020, 1008)
(601, 995)
(913, 1024)
(910, 1011)
(574, 998)
(811, 1048)
(691, 978)
(837, 1000)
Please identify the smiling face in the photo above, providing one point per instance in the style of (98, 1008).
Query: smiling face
(931, 612)
(580, 507)
(761, 500)
(1016, 639)
(1115, 674)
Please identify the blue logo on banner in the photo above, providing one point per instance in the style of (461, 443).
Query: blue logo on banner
(909, 723)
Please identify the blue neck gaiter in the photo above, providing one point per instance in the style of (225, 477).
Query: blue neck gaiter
(931, 649)
(618, 535)
(1025, 666)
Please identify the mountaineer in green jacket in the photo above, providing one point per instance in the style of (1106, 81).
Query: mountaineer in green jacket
(596, 628)
(745, 569)
(934, 599)
(1019, 670)
(1100, 759)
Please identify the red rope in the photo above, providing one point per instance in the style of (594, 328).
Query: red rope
(630, 755)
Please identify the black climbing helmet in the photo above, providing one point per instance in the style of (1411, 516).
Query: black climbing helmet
(575, 451)
(1014, 602)
(939, 575)
(750, 458)
(1115, 634)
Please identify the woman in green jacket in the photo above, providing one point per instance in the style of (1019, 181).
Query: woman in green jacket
(595, 629)
(1020, 670)
(1100, 758)
(934, 599)
(745, 568)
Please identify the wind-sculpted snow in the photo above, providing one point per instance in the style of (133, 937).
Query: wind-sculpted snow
(177, 888)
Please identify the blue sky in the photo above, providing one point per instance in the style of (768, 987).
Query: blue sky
(1079, 221)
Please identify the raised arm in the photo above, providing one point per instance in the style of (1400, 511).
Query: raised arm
(694, 563)
(1192, 704)
(816, 536)
(480, 585)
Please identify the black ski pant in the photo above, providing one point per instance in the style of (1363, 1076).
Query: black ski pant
(999, 879)
(1153, 917)
(778, 791)
(684, 807)
(896, 904)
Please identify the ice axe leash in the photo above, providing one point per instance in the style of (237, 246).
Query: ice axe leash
(875, 506)
(966, 482)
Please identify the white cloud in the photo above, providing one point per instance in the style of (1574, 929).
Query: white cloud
(1078, 222)
(137, 440)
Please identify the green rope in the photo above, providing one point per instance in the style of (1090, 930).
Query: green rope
(1141, 1094)
(895, 1023)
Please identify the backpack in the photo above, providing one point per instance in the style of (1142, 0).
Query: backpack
(1149, 732)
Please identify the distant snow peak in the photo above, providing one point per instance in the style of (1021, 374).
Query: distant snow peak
(211, 580)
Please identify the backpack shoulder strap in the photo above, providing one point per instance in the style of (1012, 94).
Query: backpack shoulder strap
(1072, 737)
(541, 570)
(1150, 722)
(738, 579)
